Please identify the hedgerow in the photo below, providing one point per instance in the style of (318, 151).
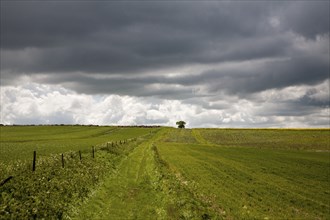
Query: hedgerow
(51, 191)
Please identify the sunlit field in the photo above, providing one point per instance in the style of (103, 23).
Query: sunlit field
(164, 173)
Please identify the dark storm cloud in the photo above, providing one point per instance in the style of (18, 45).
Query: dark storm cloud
(288, 109)
(308, 18)
(275, 74)
(60, 39)
(309, 100)
(159, 86)
(238, 81)
(46, 24)
(129, 37)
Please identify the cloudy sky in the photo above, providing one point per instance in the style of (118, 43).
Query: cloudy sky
(209, 63)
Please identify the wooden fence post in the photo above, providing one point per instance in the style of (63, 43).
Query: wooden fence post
(80, 155)
(93, 150)
(34, 160)
(62, 161)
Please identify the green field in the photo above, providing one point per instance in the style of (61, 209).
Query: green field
(253, 182)
(18, 142)
(165, 173)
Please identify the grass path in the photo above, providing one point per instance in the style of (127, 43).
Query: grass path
(143, 187)
(130, 193)
(199, 137)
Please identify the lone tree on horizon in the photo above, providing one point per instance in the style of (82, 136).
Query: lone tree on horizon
(181, 124)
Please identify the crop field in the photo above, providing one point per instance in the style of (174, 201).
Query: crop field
(164, 173)
(303, 139)
(255, 181)
(18, 142)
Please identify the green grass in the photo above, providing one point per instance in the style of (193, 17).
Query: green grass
(166, 173)
(141, 189)
(303, 139)
(180, 136)
(130, 193)
(242, 182)
(19, 142)
(51, 192)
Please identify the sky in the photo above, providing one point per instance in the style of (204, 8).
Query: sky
(237, 64)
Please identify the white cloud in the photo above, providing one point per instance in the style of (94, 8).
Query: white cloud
(33, 103)
(318, 92)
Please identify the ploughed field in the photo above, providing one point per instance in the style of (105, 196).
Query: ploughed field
(164, 173)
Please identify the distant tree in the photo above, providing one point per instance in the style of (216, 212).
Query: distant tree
(180, 124)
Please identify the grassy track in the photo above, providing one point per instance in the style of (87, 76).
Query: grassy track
(143, 188)
(199, 137)
(131, 192)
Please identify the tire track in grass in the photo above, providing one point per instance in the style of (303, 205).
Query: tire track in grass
(196, 134)
(130, 193)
